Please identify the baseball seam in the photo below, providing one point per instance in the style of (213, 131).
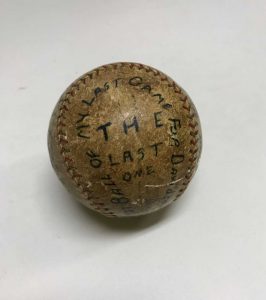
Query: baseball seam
(195, 146)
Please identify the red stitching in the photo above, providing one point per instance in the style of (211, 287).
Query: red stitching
(186, 107)
(192, 159)
(193, 125)
(193, 151)
(194, 142)
(194, 133)
(72, 170)
(191, 117)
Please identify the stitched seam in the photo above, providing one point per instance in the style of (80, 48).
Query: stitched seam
(76, 177)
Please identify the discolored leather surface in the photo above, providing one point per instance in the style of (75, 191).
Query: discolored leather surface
(126, 139)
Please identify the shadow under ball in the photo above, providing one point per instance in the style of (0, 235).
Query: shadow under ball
(125, 139)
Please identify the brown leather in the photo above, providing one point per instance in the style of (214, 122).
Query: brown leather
(126, 139)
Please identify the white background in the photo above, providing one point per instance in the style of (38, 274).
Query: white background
(211, 244)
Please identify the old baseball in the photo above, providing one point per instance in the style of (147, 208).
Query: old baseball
(125, 139)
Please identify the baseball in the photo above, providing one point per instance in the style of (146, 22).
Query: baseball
(125, 139)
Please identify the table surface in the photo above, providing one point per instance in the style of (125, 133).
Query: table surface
(211, 243)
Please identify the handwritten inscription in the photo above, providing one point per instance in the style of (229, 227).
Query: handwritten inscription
(127, 156)
(82, 123)
(130, 125)
(83, 126)
(128, 176)
(134, 81)
(176, 159)
(117, 196)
